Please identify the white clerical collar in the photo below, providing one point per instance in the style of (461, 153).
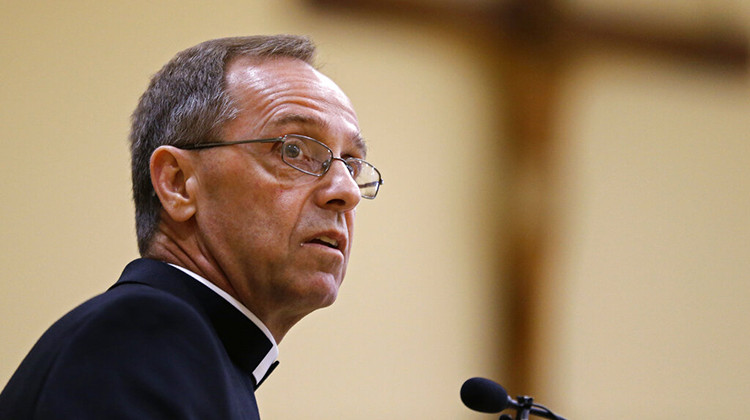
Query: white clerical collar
(260, 372)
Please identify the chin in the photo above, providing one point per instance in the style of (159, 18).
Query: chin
(326, 294)
(322, 292)
(309, 292)
(328, 301)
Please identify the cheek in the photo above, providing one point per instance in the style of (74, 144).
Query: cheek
(250, 205)
(349, 218)
(277, 212)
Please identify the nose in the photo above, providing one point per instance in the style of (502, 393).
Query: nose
(337, 189)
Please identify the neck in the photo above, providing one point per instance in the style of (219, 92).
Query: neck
(178, 247)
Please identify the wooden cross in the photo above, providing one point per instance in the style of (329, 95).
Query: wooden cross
(533, 38)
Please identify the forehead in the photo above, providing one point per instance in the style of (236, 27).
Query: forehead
(283, 94)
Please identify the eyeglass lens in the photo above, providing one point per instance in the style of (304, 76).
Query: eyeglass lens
(314, 158)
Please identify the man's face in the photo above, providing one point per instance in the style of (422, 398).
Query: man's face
(263, 223)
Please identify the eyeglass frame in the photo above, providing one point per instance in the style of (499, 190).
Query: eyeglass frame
(282, 139)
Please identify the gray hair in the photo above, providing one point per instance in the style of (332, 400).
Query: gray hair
(186, 103)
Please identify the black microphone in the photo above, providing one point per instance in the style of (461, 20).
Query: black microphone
(486, 396)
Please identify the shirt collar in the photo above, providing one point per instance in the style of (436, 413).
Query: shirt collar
(269, 361)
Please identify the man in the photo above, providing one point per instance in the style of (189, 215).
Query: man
(247, 168)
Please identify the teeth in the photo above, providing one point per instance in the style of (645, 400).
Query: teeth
(330, 241)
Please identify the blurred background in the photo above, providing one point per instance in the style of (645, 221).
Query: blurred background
(565, 208)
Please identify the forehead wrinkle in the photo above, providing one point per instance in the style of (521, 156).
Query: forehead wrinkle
(287, 119)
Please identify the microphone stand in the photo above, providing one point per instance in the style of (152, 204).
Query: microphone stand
(524, 407)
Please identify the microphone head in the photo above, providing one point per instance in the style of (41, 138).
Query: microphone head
(484, 395)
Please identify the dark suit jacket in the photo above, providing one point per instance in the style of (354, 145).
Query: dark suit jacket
(156, 345)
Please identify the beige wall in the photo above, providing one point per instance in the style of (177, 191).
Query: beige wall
(652, 269)
(652, 254)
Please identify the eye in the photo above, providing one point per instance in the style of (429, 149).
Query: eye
(304, 154)
(351, 169)
(292, 150)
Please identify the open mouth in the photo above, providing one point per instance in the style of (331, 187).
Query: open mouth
(326, 241)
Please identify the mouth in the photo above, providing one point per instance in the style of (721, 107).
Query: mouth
(327, 241)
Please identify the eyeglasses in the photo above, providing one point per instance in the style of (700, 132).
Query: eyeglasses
(312, 157)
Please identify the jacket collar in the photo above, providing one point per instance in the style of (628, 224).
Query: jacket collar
(245, 343)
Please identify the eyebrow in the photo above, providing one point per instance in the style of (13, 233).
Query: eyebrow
(357, 139)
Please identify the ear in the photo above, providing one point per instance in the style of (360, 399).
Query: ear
(171, 174)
